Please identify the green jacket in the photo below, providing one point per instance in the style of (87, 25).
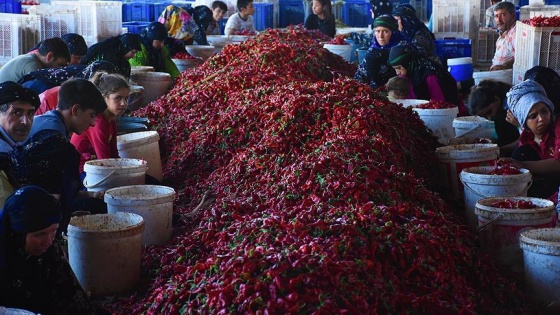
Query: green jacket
(141, 59)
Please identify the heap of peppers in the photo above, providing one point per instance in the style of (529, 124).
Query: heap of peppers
(322, 205)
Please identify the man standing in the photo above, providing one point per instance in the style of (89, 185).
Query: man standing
(17, 108)
(504, 19)
(52, 53)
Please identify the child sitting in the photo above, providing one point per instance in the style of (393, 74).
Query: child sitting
(398, 88)
(219, 9)
(241, 23)
(322, 18)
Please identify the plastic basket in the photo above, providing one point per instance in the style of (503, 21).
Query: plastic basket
(527, 12)
(458, 19)
(291, 12)
(56, 22)
(452, 48)
(19, 33)
(263, 17)
(537, 46)
(97, 20)
(356, 13)
(10, 6)
(137, 11)
(487, 38)
(135, 26)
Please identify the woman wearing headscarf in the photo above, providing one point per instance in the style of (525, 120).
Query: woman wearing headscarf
(187, 25)
(374, 69)
(429, 80)
(415, 32)
(539, 142)
(117, 50)
(34, 272)
(49, 97)
(153, 52)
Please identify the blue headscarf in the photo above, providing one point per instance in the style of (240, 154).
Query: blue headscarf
(410, 23)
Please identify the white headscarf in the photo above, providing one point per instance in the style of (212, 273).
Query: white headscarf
(522, 97)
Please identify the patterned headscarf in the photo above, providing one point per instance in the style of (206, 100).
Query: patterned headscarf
(410, 23)
(522, 97)
(76, 44)
(381, 7)
(100, 65)
(11, 92)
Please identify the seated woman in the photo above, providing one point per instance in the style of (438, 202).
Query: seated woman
(415, 32)
(322, 18)
(34, 272)
(488, 100)
(539, 145)
(153, 52)
(188, 25)
(429, 79)
(374, 69)
(117, 50)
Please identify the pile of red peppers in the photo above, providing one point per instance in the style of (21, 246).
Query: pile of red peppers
(321, 199)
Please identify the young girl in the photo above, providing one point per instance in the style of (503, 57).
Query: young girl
(322, 18)
(539, 142)
(100, 141)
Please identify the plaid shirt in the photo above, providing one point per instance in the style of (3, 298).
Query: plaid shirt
(505, 47)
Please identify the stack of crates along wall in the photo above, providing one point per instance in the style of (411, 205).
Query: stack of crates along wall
(140, 11)
(275, 9)
(356, 13)
(18, 34)
(457, 19)
(95, 20)
(487, 38)
(535, 46)
(263, 17)
(291, 13)
(527, 12)
(55, 21)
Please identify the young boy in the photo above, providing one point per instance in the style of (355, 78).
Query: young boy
(397, 88)
(219, 9)
(242, 21)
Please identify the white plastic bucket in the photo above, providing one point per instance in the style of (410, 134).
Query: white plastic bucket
(344, 51)
(410, 102)
(473, 127)
(541, 256)
(452, 159)
(155, 84)
(142, 145)
(105, 251)
(478, 184)
(500, 234)
(14, 311)
(154, 203)
(184, 64)
(109, 173)
(136, 69)
(439, 122)
(202, 51)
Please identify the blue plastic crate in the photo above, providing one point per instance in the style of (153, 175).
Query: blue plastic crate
(10, 6)
(452, 48)
(223, 25)
(137, 11)
(290, 12)
(135, 26)
(264, 16)
(356, 13)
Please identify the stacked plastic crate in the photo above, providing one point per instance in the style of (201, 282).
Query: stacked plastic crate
(18, 34)
(96, 20)
(10, 6)
(55, 21)
(291, 13)
(527, 12)
(487, 38)
(356, 13)
(263, 17)
(535, 46)
(454, 19)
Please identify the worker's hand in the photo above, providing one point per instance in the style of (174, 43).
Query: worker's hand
(510, 118)
(497, 67)
(510, 161)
